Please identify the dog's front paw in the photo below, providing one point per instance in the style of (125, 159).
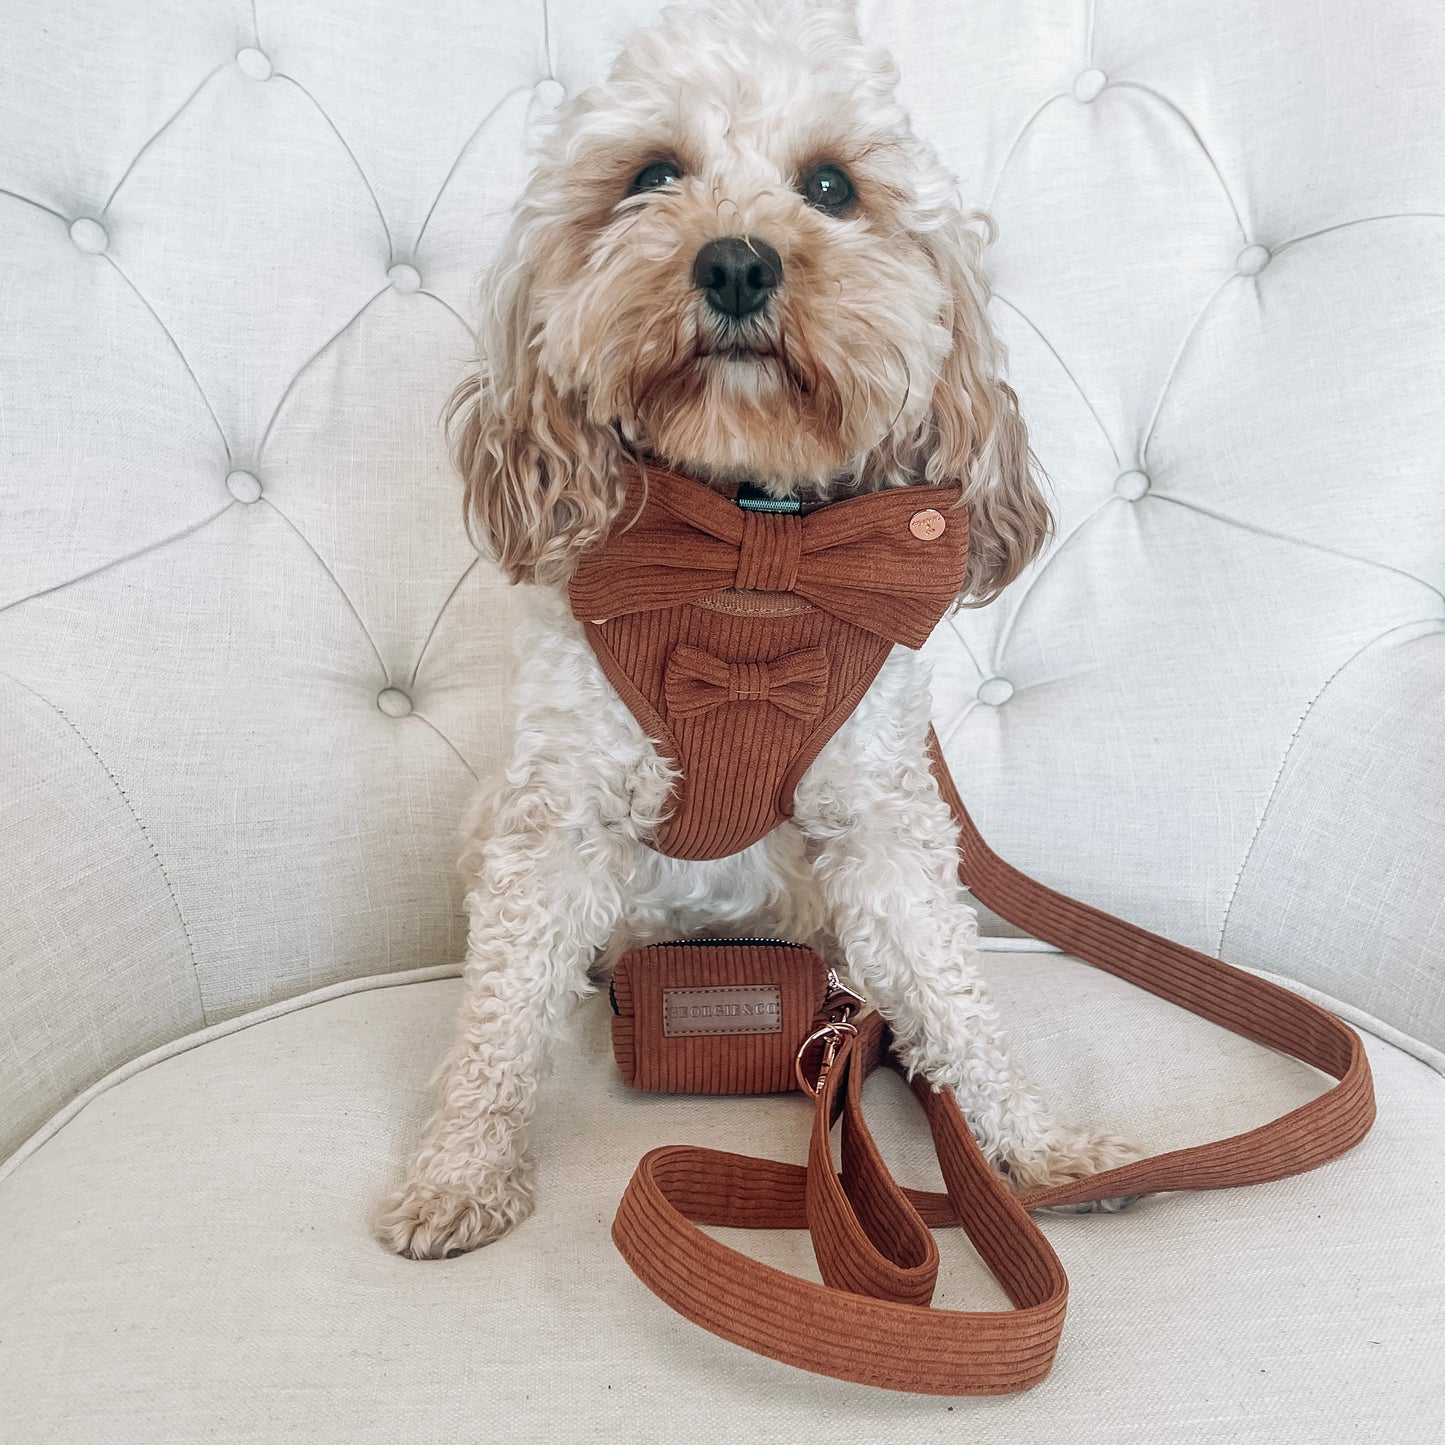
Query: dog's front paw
(1069, 1154)
(429, 1220)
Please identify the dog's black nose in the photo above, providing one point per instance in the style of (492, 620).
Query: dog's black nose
(737, 273)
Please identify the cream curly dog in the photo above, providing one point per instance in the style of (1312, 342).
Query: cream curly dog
(734, 258)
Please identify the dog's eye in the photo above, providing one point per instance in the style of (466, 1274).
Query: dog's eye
(659, 173)
(828, 189)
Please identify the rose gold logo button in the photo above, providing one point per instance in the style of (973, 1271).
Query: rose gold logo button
(927, 525)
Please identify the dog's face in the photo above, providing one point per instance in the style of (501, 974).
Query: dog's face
(735, 258)
(737, 280)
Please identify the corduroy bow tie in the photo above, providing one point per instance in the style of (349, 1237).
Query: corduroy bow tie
(889, 562)
(796, 683)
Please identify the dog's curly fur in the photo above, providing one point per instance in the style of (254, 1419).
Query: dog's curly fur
(871, 364)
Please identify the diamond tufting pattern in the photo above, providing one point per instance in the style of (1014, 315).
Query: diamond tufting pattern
(250, 666)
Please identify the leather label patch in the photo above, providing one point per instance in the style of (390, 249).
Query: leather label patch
(755, 1008)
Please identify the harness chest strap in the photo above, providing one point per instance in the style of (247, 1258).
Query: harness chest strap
(870, 1320)
(741, 640)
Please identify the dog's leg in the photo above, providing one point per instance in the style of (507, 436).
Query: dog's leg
(550, 877)
(544, 902)
(886, 856)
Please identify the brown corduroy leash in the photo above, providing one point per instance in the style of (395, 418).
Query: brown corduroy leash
(871, 1321)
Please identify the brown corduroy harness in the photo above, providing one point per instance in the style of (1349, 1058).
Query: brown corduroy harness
(741, 642)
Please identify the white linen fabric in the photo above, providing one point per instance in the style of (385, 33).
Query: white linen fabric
(250, 668)
(241, 248)
(213, 1212)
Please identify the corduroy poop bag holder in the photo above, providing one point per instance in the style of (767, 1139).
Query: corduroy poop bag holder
(713, 624)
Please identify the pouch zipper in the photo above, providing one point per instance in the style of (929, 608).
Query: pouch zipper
(705, 943)
(718, 942)
(835, 985)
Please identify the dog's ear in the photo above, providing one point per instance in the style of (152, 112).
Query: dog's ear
(542, 481)
(978, 436)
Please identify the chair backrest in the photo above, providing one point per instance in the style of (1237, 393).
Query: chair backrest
(249, 665)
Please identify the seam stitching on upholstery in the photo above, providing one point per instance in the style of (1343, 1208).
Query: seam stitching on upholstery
(130, 808)
(209, 1034)
(31, 201)
(1018, 140)
(310, 362)
(1360, 221)
(1204, 150)
(1284, 762)
(447, 305)
(164, 127)
(1006, 632)
(321, 561)
(351, 155)
(436, 621)
(466, 146)
(958, 722)
(952, 620)
(1143, 449)
(1064, 367)
(422, 717)
(118, 561)
(190, 371)
(1228, 521)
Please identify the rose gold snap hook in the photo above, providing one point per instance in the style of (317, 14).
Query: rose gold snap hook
(840, 996)
(833, 1036)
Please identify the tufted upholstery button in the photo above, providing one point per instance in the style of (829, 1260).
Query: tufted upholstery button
(89, 235)
(404, 277)
(927, 525)
(255, 63)
(393, 702)
(995, 691)
(1089, 85)
(550, 93)
(1131, 485)
(1251, 261)
(243, 486)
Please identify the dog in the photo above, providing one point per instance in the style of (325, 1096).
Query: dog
(736, 260)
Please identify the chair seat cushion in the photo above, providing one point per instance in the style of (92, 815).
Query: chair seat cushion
(191, 1257)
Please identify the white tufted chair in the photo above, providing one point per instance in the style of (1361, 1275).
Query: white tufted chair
(249, 669)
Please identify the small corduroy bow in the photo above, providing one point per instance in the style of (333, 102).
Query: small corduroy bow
(889, 562)
(796, 683)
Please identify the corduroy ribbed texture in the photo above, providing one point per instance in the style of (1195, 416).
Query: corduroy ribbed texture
(741, 641)
(740, 761)
(740, 1063)
(870, 1320)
